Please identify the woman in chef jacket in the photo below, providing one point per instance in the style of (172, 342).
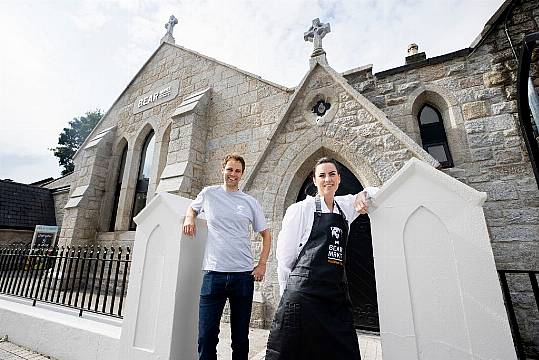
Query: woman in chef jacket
(314, 318)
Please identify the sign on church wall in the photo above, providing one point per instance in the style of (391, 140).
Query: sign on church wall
(156, 97)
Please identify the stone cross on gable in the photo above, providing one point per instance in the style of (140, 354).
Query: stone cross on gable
(172, 21)
(315, 34)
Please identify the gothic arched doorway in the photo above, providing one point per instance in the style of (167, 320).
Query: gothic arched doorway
(359, 259)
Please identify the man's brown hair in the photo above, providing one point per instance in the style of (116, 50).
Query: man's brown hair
(234, 157)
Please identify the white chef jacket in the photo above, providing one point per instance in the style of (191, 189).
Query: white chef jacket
(296, 229)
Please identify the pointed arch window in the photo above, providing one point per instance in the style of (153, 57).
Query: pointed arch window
(433, 137)
(143, 178)
(118, 189)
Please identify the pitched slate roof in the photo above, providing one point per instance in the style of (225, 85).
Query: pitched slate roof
(24, 206)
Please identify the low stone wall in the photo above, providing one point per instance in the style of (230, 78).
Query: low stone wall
(116, 239)
(60, 198)
(15, 237)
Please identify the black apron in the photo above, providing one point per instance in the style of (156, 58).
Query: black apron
(314, 319)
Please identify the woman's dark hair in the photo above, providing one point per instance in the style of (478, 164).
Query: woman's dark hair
(326, 160)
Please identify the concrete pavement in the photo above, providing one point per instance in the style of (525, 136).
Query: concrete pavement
(10, 351)
(369, 344)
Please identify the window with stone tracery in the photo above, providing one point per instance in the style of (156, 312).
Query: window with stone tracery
(433, 136)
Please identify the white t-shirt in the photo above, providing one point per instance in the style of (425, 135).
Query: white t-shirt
(228, 215)
(296, 229)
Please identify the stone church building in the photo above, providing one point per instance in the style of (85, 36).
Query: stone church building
(183, 112)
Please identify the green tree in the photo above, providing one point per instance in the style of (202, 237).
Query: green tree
(72, 138)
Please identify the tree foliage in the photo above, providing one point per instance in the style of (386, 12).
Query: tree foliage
(72, 138)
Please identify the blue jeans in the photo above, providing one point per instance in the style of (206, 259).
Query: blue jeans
(216, 288)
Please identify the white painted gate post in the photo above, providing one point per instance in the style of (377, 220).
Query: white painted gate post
(161, 315)
(438, 291)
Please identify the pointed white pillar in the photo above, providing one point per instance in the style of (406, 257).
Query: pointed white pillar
(161, 315)
(438, 291)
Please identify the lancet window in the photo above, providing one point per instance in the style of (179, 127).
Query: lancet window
(143, 178)
(117, 189)
(433, 136)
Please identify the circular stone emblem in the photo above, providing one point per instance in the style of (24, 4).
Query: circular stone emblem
(321, 107)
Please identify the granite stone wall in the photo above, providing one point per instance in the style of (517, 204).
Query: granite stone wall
(60, 199)
(60, 193)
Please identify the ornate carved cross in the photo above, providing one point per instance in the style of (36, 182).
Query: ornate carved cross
(172, 21)
(315, 34)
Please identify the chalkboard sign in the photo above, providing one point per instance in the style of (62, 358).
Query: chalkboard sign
(44, 239)
(44, 236)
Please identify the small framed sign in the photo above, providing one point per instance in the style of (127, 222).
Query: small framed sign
(44, 236)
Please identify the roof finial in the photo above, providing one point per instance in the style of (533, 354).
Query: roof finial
(172, 21)
(315, 34)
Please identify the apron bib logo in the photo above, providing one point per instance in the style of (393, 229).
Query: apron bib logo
(335, 248)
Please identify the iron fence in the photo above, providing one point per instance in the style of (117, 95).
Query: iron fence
(532, 275)
(89, 279)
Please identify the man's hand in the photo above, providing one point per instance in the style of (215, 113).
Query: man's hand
(189, 227)
(361, 204)
(259, 271)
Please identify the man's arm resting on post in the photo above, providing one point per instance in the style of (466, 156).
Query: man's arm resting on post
(260, 268)
(189, 227)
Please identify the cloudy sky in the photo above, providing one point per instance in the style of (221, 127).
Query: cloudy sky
(62, 58)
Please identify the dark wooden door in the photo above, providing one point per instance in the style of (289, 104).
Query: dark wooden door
(359, 259)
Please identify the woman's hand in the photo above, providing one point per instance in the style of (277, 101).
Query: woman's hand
(361, 204)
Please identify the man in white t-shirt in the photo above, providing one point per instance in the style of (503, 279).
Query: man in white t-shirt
(228, 261)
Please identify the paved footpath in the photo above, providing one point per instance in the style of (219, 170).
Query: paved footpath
(369, 346)
(10, 351)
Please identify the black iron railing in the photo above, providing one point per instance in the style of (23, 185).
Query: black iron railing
(90, 279)
(532, 275)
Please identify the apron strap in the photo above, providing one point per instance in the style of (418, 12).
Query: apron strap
(318, 204)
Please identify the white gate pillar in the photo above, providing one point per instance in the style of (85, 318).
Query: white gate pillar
(438, 291)
(161, 315)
